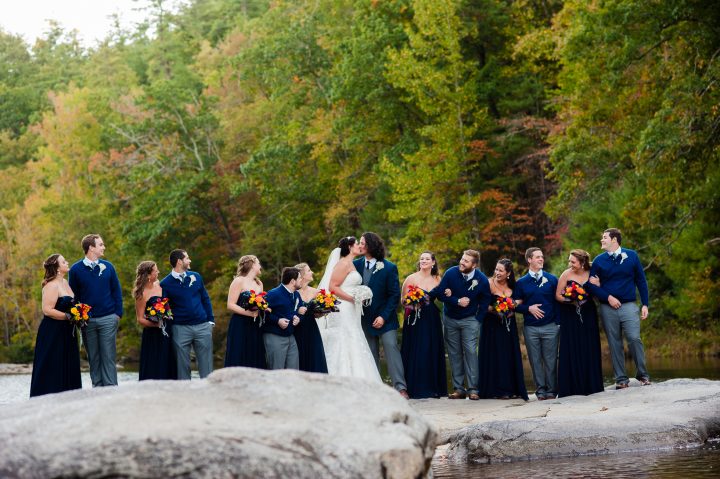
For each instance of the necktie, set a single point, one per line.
(466, 276)
(182, 277)
(367, 264)
(93, 264)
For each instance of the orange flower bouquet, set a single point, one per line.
(252, 301)
(414, 300)
(324, 302)
(159, 312)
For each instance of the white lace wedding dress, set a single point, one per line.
(346, 349)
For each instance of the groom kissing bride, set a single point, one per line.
(352, 336)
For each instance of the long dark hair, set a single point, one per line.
(52, 265)
(435, 271)
(507, 264)
(375, 246)
(345, 244)
(143, 271)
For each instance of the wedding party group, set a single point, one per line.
(340, 326)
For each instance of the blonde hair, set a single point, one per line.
(245, 264)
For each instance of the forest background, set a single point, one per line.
(231, 127)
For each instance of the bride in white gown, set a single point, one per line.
(346, 349)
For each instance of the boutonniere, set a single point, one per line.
(473, 284)
(542, 282)
(623, 257)
(192, 280)
(102, 268)
(378, 266)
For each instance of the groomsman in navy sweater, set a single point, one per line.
(193, 318)
(536, 293)
(95, 282)
(619, 273)
(285, 304)
(465, 290)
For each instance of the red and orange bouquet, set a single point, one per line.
(414, 300)
(159, 312)
(576, 294)
(324, 302)
(504, 306)
(252, 301)
(79, 314)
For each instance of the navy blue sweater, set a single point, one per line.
(189, 299)
(619, 278)
(479, 295)
(99, 288)
(530, 292)
(284, 304)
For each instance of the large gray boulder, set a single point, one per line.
(240, 423)
(673, 414)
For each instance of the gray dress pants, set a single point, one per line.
(199, 336)
(625, 320)
(461, 338)
(542, 349)
(392, 355)
(99, 337)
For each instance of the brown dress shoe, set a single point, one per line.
(456, 395)
(404, 393)
(474, 396)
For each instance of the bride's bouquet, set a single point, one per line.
(414, 300)
(361, 294)
(324, 302)
(252, 301)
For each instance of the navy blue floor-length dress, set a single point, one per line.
(245, 346)
(56, 365)
(423, 352)
(580, 361)
(157, 356)
(310, 345)
(500, 361)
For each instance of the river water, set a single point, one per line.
(695, 463)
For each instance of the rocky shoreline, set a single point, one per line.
(308, 424)
(8, 368)
(679, 413)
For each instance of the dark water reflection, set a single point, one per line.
(696, 463)
(702, 462)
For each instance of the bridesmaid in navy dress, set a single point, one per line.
(56, 366)
(580, 363)
(423, 347)
(307, 334)
(157, 357)
(500, 361)
(245, 346)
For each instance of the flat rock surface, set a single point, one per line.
(239, 423)
(671, 414)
